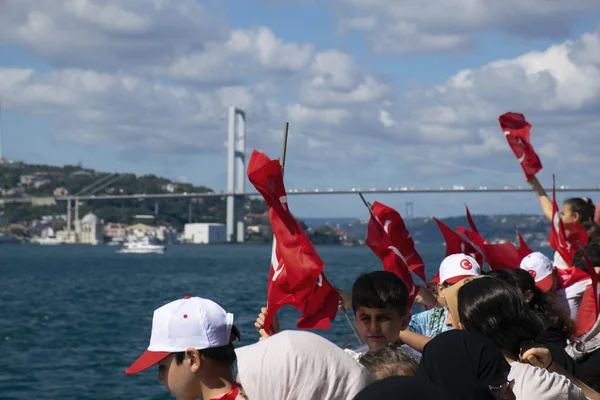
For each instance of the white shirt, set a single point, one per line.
(559, 262)
(570, 297)
(360, 351)
(536, 383)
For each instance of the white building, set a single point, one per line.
(205, 233)
(90, 230)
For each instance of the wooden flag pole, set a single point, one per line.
(352, 326)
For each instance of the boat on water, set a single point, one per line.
(142, 245)
(48, 238)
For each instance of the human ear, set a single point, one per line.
(194, 359)
(405, 320)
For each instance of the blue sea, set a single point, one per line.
(73, 318)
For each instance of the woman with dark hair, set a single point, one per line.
(493, 308)
(573, 210)
(545, 306)
(465, 365)
(556, 326)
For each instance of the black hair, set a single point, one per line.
(594, 234)
(495, 309)
(585, 208)
(593, 252)
(546, 306)
(380, 289)
(223, 354)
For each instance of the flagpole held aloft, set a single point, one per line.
(284, 150)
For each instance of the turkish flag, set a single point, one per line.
(589, 307)
(455, 244)
(296, 272)
(498, 255)
(565, 241)
(394, 227)
(524, 250)
(320, 309)
(516, 129)
(391, 258)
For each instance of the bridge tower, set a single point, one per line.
(236, 174)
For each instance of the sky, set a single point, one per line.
(378, 93)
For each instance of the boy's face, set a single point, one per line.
(450, 295)
(379, 327)
(178, 379)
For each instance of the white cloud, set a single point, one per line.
(149, 96)
(110, 34)
(558, 90)
(403, 26)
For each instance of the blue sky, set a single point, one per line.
(378, 93)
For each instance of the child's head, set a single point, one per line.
(191, 341)
(389, 361)
(380, 304)
(454, 269)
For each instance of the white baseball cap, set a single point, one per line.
(189, 322)
(457, 267)
(540, 268)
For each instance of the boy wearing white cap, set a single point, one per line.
(453, 269)
(191, 342)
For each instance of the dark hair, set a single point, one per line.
(593, 252)
(547, 306)
(223, 354)
(585, 208)
(380, 289)
(388, 361)
(493, 308)
(594, 234)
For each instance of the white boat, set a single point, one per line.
(49, 241)
(48, 238)
(142, 246)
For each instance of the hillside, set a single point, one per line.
(534, 228)
(19, 179)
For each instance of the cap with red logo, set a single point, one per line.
(540, 268)
(457, 267)
(191, 322)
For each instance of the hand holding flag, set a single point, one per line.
(516, 128)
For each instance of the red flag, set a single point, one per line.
(589, 307)
(516, 129)
(572, 279)
(498, 255)
(391, 258)
(565, 241)
(296, 272)
(394, 227)
(470, 220)
(523, 249)
(455, 245)
(321, 307)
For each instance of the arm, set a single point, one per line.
(587, 391)
(541, 358)
(427, 298)
(414, 340)
(542, 196)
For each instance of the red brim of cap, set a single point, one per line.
(456, 279)
(146, 360)
(545, 284)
